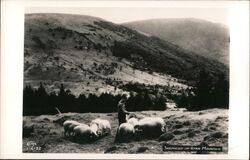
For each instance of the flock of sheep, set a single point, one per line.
(96, 129)
(133, 129)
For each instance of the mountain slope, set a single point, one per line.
(90, 54)
(202, 37)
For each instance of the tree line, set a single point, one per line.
(39, 101)
(205, 94)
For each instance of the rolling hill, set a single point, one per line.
(210, 40)
(89, 54)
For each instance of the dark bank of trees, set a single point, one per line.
(206, 94)
(38, 102)
(153, 54)
(203, 96)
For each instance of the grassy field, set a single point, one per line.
(185, 128)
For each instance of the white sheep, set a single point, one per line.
(85, 132)
(133, 121)
(125, 132)
(94, 127)
(150, 126)
(103, 125)
(69, 126)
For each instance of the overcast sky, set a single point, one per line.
(121, 15)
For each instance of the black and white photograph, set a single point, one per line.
(126, 80)
(96, 86)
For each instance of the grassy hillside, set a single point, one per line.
(207, 39)
(183, 128)
(89, 55)
(74, 48)
(77, 51)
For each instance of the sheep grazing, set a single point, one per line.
(103, 125)
(133, 121)
(85, 132)
(150, 127)
(125, 132)
(94, 128)
(69, 126)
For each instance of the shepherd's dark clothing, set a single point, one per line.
(121, 118)
(121, 115)
(122, 112)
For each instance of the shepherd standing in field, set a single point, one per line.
(122, 110)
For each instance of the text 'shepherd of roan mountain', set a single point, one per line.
(205, 38)
(80, 68)
(90, 51)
